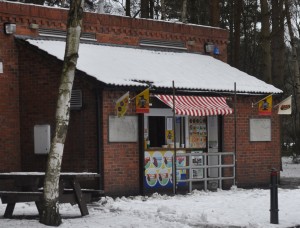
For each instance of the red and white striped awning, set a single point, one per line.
(197, 105)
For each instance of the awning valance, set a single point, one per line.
(197, 105)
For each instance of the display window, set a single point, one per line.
(163, 131)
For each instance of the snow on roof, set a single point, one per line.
(126, 66)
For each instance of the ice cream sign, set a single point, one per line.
(158, 168)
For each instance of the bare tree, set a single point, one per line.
(145, 8)
(127, 8)
(163, 9)
(184, 11)
(277, 43)
(295, 71)
(215, 12)
(265, 42)
(50, 211)
(238, 5)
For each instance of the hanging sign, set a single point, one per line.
(265, 106)
(122, 105)
(142, 102)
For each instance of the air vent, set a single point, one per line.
(76, 100)
(62, 34)
(163, 44)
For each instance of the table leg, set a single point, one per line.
(9, 210)
(39, 207)
(80, 200)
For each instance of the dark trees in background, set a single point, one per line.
(127, 8)
(266, 63)
(277, 43)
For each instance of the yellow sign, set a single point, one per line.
(170, 135)
(265, 106)
(142, 102)
(122, 105)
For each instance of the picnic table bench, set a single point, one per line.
(27, 188)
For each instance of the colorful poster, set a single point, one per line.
(197, 132)
(158, 168)
(170, 136)
(197, 160)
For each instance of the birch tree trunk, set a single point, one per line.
(50, 211)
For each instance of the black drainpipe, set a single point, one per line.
(141, 152)
(99, 113)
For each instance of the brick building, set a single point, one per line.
(30, 75)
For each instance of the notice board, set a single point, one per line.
(260, 129)
(123, 129)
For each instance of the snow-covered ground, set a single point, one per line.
(236, 207)
(290, 169)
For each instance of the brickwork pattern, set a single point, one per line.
(29, 84)
(254, 159)
(9, 105)
(38, 94)
(121, 160)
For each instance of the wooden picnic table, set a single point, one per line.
(28, 188)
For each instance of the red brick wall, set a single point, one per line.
(115, 29)
(9, 105)
(38, 97)
(38, 92)
(254, 159)
(121, 160)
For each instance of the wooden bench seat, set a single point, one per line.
(19, 197)
(27, 188)
(95, 194)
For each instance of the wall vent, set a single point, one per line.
(76, 100)
(44, 32)
(163, 44)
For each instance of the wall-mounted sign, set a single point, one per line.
(1, 68)
(124, 129)
(260, 129)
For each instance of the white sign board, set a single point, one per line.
(260, 129)
(123, 129)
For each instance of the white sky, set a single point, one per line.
(122, 65)
(239, 207)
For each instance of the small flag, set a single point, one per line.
(122, 105)
(142, 102)
(265, 106)
(285, 106)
